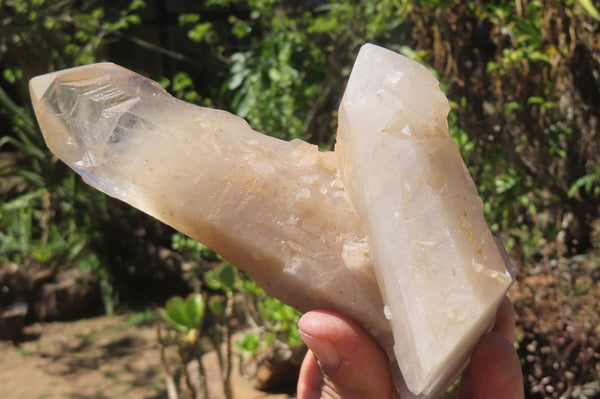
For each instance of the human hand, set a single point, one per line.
(352, 366)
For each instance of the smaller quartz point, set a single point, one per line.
(393, 212)
(441, 274)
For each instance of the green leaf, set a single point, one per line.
(221, 278)
(136, 4)
(227, 277)
(141, 318)
(536, 100)
(195, 309)
(248, 345)
(25, 200)
(170, 322)
(591, 9)
(237, 79)
(185, 19)
(586, 182)
(200, 32)
(240, 28)
(211, 280)
(43, 253)
(30, 176)
(216, 306)
(274, 75)
(12, 75)
(176, 313)
(244, 106)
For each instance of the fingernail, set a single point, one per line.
(324, 351)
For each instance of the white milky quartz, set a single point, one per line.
(437, 264)
(401, 207)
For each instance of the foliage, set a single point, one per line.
(591, 9)
(275, 325)
(283, 79)
(524, 76)
(222, 278)
(194, 249)
(47, 213)
(589, 183)
(188, 317)
(184, 315)
(140, 318)
(74, 33)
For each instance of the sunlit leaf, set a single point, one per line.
(216, 306)
(591, 9)
(227, 277)
(194, 309)
(172, 323)
(175, 312)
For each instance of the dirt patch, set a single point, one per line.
(558, 327)
(96, 358)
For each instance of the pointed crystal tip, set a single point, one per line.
(39, 85)
(87, 117)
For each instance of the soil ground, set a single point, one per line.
(97, 358)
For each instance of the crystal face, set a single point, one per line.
(423, 210)
(393, 204)
(248, 196)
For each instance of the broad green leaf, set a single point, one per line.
(200, 32)
(211, 280)
(175, 309)
(591, 9)
(194, 309)
(216, 306)
(191, 18)
(227, 277)
(248, 344)
(172, 323)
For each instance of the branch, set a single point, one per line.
(186, 373)
(169, 382)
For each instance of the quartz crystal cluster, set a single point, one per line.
(388, 229)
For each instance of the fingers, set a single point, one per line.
(505, 320)
(495, 370)
(350, 364)
(310, 380)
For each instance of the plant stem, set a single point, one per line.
(221, 336)
(201, 370)
(169, 382)
(226, 368)
(186, 373)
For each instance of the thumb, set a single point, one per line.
(343, 362)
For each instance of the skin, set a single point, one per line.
(343, 361)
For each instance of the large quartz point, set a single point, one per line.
(277, 209)
(403, 205)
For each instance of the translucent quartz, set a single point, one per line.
(440, 271)
(281, 211)
(277, 209)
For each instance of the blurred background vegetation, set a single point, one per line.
(523, 78)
